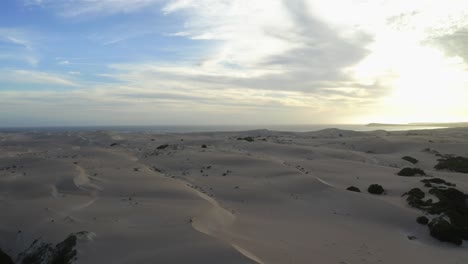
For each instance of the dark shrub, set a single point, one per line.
(422, 220)
(65, 251)
(410, 159)
(416, 193)
(450, 197)
(437, 181)
(4, 258)
(248, 139)
(408, 172)
(353, 189)
(444, 231)
(39, 252)
(415, 198)
(204, 146)
(457, 164)
(163, 146)
(114, 144)
(452, 203)
(375, 189)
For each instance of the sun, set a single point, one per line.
(424, 85)
(429, 87)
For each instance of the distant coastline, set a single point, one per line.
(441, 125)
(169, 129)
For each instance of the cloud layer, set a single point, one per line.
(277, 61)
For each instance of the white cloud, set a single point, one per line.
(15, 36)
(94, 7)
(74, 72)
(21, 47)
(29, 59)
(23, 76)
(364, 55)
(63, 62)
(249, 29)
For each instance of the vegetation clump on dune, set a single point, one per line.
(422, 220)
(65, 251)
(408, 172)
(4, 258)
(248, 139)
(445, 231)
(410, 159)
(451, 163)
(376, 189)
(452, 203)
(353, 189)
(415, 198)
(438, 181)
(451, 225)
(163, 146)
(45, 253)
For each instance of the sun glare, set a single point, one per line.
(424, 84)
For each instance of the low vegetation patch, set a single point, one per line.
(65, 251)
(248, 139)
(4, 258)
(415, 199)
(163, 146)
(375, 189)
(410, 159)
(45, 253)
(438, 181)
(422, 220)
(409, 172)
(451, 223)
(451, 163)
(353, 189)
(445, 231)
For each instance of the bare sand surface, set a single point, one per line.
(242, 197)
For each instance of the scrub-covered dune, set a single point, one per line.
(232, 197)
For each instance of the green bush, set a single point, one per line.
(39, 252)
(65, 252)
(437, 181)
(353, 189)
(410, 159)
(444, 231)
(163, 146)
(422, 220)
(4, 258)
(457, 164)
(248, 139)
(408, 172)
(415, 198)
(375, 189)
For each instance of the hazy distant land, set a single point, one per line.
(261, 196)
(442, 125)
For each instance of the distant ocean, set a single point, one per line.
(194, 129)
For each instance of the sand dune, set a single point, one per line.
(233, 197)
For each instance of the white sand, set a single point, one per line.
(280, 201)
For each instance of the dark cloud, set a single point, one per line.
(454, 44)
(323, 53)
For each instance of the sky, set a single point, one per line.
(232, 62)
